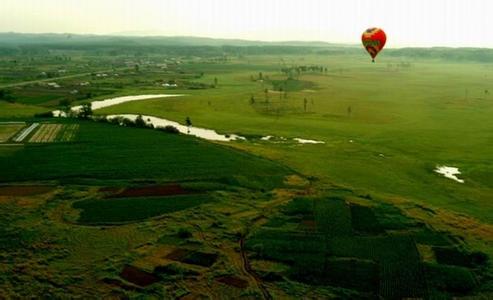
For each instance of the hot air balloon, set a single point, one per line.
(374, 40)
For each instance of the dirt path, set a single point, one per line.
(248, 269)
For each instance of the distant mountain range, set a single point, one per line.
(26, 43)
(147, 38)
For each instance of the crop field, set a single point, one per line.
(68, 133)
(139, 153)
(49, 133)
(121, 210)
(374, 261)
(46, 133)
(7, 131)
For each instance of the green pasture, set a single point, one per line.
(385, 126)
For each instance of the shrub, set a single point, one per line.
(169, 129)
(184, 233)
(47, 114)
(139, 122)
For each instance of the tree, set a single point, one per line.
(215, 81)
(85, 111)
(252, 100)
(260, 76)
(7, 96)
(64, 102)
(65, 105)
(137, 68)
(140, 122)
(188, 121)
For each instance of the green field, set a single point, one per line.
(92, 209)
(379, 264)
(104, 151)
(413, 116)
(114, 211)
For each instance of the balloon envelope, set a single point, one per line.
(374, 40)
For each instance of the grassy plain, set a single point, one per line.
(404, 121)
(362, 215)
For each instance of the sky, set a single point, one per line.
(408, 23)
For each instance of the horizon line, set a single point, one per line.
(129, 35)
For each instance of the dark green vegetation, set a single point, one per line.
(124, 212)
(121, 210)
(110, 152)
(324, 244)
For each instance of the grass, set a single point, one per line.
(385, 129)
(404, 115)
(112, 211)
(17, 110)
(104, 151)
(364, 220)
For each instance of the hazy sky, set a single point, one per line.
(407, 22)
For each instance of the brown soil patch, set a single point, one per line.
(137, 276)
(149, 191)
(25, 190)
(233, 281)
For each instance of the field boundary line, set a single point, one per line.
(25, 132)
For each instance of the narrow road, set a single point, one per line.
(55, 78)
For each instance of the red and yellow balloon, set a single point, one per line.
(374, 40)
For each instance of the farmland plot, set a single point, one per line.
(7, 131)
(47, 133)
(68, 133)
(25, 132)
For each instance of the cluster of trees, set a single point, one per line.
(139, 122)
(6, 95)
(292, 72)
(259, 77)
